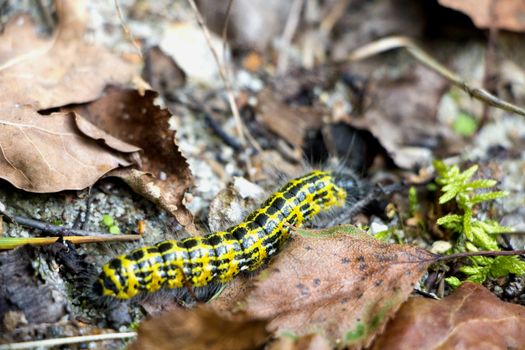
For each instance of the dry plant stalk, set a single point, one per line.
(241, 129)
(399, 42)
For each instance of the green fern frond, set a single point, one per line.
(503, 265)
(473, 234)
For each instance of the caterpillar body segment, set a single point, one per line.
(220, 256)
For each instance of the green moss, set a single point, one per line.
(413, 205)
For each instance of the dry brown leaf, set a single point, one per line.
(161, 71)
(508, 14)
(64, 69)
(48, 153)
(200, 328)
(340, 283)
(402, 116)
(307, 342)
(470, 318)
(289, 122)
(164, 176)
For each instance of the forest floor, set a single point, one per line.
(125, 125)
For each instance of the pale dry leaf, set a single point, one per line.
(188, 47)
(470, 318)
(133, 117)
(508, 14)
(199, 328)
(51, 72)
(340, 283)
(48, 153)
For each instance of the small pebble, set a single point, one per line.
(377, 227)
(247, 189)
(513, 289)
(498, 291)
(440, 247)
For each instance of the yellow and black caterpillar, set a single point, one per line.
(220, 256)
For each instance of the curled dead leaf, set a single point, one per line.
(470, 318)
(200, 328)
(136, 119)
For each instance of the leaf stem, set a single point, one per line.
(68, 340)
(480, 253)
(398, 42)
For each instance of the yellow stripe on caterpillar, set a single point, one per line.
(220, 256)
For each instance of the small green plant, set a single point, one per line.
(110, 223)
(57, 222)
(473, 234)
(413, 205)
(465, 124)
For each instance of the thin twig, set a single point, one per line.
(397, 42)
(222, 72)
(289, 31)
(480, 253)
(49, 228)
(225, 35)
(219, 131)
(490, 65)
(241, 130)
(333, 16)
(228, 73)
(128, 32)
(53, 229)
(201, 107)
(14, 242)
(67, 340)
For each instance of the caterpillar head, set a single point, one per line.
(355, 187)
(346, 180)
